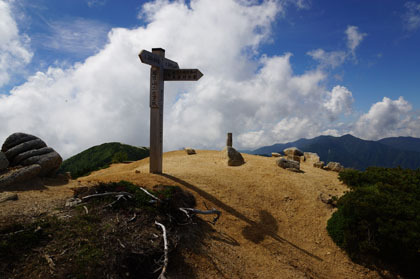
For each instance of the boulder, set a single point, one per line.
(319, 164)
(334, 166)
(275, 154)
(4, 163)
(23, 147)
(190, 151)
(15, 139)
(25, 150)
(19, 175)
(311, 156)
(292, 151)
(288, 164)
(233, 157)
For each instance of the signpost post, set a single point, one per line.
(162, 69)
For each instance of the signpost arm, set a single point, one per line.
(156, 114)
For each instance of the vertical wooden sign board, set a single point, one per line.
(162, 69)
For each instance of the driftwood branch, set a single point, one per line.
(150, 194)
(165, 250)
(194, 211)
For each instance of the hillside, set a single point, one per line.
(273, 224)
(101, 156)
(356, 153)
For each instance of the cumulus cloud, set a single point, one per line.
(412, 16)
(333, 59)
(106, 98)
(15, 52)
(340, 100)
(354, 38)
(387, 118)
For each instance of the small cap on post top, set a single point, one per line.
(158, 49)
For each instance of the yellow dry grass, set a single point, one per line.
(273, 224)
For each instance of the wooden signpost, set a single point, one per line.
(162, 69)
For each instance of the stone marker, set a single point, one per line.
(234, 158)
(162, 69)
(229, 140)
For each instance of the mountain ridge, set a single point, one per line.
(355, 152)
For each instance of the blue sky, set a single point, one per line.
(274, 71)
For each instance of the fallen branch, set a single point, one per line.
(116, 194)
(150, 194)
(165, 250)
(205, 212)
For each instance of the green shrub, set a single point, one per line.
(378, 219)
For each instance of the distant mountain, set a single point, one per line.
(353, 152)
(403, 143)
(101, 156)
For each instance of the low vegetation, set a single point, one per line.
(101, 156)
(99, 238)
(378, 222)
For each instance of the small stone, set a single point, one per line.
(288, 164)
(334, 166)
(137, 171)
(275, 154)
(7, 196)
(190, 151)
(319, 164)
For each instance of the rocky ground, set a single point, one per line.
(273, 223)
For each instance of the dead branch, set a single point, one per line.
(86, 209)
(116, 194)
(132, 218)
(150, 194)
(165, 249)
(205, 212)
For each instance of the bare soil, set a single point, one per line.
(273, 224)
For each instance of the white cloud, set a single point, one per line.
(106, 97)
(78, 36)
(354, 38)
(14, 47)
(331, 59)
(340, 101)
(387, 118)
(412, 16)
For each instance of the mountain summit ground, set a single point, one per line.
(273, 224)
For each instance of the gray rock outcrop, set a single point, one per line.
(20, 175)
(311, 156)
(334, 166)
(30, 157)
(4, 163)
(319, 164)
(293, 153)
(233, 157)
(288, 164)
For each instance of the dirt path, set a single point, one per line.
(272, 226)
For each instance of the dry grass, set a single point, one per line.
(273, 224)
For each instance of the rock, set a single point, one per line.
(292, 151)
(319, 164)
(275, 154)
(328, 199)
(233, 157)
(302, 159)
(4, 163)
(7, 196)
(288, 164)
(334, 166)
(311, 156)
(49, 163)
(19, 175)
(22, 156)
(25, 150)
(190, 151)
(23, 147)
(15, 139)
